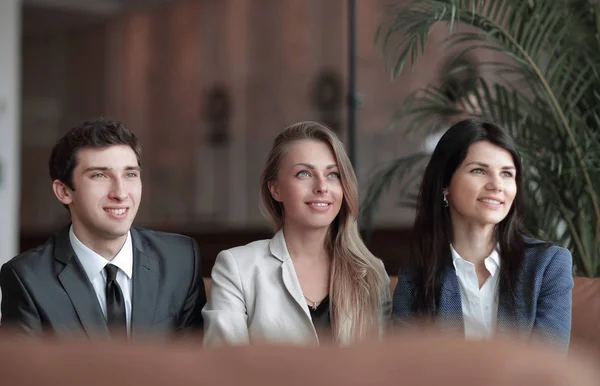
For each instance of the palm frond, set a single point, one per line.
(552, 48)
(399, 170)
(553, 118)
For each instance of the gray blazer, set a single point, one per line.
(47, 290)
(255, 297)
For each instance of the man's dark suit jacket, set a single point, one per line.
(46, 290)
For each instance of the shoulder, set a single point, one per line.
(246, 262)
(543, 251)
(380, 270)
(174, 250)
(36, 257)
(379, 266)
(247, 255)
(407, 274)
(539, 255)
(160, 240)
(151, 236)
(407, 282)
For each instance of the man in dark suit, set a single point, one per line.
(100, 277)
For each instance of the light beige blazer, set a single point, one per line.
(256, 297)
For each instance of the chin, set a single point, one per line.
(491, 221)
(319, 225)
(116, 233)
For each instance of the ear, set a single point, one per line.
(62, 192)
(274, 189)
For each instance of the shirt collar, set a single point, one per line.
(492, 262)
(93, 263)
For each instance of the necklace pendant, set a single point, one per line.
(312, 304)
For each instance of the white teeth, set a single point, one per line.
(116, 211)
(489, 201)
(319, 204)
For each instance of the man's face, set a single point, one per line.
(106, 195)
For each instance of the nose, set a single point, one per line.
(117, 191)
(321, 186)
(494, 184)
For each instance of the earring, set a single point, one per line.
(445, 199)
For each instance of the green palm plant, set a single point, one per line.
(545, 92)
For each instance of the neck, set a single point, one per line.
(107, 248)
(473, 243)
(305, 244)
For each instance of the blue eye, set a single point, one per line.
(97, 176)
(477, 171)
(507, 174)
(334, 175)
(132, 175)
(302, 173)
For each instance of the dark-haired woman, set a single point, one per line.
(472, 268)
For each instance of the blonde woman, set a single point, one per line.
(315, 280)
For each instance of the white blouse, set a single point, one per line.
(479, 305)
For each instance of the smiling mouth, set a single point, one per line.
(117, 212)
(319, 205)
(490, 201)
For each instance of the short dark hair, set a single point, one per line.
(95, 133)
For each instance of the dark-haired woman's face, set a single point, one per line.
(483, 187)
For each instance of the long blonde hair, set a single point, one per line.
(357, 277)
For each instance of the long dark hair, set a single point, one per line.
(432, 231)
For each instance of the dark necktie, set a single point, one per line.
(115, 304)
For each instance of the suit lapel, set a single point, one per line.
(290, 280)
(450, 309)
(79, 289)
(145, 282)
(288, 273)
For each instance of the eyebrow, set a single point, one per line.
(106, 169)
(313, 167)
(484, 165)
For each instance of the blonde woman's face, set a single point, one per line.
(308, 185)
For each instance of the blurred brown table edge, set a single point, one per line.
(401, 360)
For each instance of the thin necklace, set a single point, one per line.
(314, 304)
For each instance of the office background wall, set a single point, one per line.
(207, 85)
(10, 31)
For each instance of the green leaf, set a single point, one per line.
(545, 90)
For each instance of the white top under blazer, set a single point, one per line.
(479, 305)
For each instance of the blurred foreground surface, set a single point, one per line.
(402, 359)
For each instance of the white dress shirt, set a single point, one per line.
(94, 264)
(479, 305)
